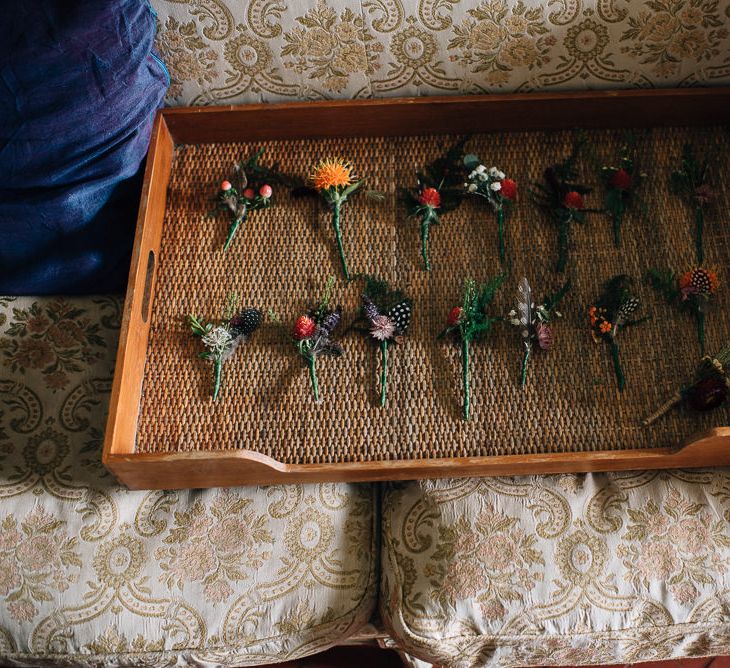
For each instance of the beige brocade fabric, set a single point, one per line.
(237, 51)
(94, 574)
(558, 570)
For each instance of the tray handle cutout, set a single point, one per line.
(147, 293)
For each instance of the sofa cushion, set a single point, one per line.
(558, 570)
(94, 574)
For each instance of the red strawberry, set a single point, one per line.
(509, 189)
(621, 179)
(303, 328)
(454, 316)
(430, 197)
(573, 200)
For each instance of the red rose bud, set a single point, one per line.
(249, 193)
(454, 316)
(265, 191)
(430, 197)
(226, 185)
(573, 200)
(303, 328)
(621, 179)
(508, 189)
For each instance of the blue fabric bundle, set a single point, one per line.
(79, 87)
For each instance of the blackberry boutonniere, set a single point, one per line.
(470, 322)
(333, 179)
(248, 190)
(221, 340)
(496, 188)
(562, 199)
(612, 311)
(312, 334)
(534, 321)
(388, 315)
(438, 191)
(690, 182)
(709, 387)
(692, 291)
(621, 183)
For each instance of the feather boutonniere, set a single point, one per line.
(612, 311)
(691, 182)
(534, 321)
(470, 322)
(388, 315)
(222, 339)
(493, 185)
(438, 191)
(709, 387)
(692, 291)
(561, 197)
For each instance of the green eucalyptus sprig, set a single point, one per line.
(471, 322)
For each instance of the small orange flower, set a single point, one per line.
(605, 327)
(331, 173)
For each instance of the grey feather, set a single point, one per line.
(524, 308)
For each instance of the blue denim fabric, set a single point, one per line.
(79, 87)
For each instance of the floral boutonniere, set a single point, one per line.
(499, 191)
(612, 311)
(312, 334)
(692, 291)
(562, 199)
(333, 179)
(470, 322)
(621, 183)
(438, 191)
(388, 315)
(222, 339)
(709, 387)
(534, 321)
(690, 182)
(247, 190)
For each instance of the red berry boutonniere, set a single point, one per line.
(613, 311)
(388, 315)
(621, 183)
(562, 199)
(222, 339)
(493, 185)
(437, 192)
(470, 322)
(692, 291)
(708, 390)
(312, 334)
(534, 321)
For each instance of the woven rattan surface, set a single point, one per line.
(282, 257)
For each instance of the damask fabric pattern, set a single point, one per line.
(240, 51)
(95, 575)
(558, 570)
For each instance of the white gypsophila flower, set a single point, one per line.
(472, 174)
(481, 169)
(496, 186)
(217, 340)
(493, 171)
(466, 185)
(512, 313)
(515, 321)
(483, 177)
(472, 187)
(501, 175)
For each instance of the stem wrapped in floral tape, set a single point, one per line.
(692, 292)
(621, 183)
(691, 182)
(562, 199)
(333, 179)
(470, 322)
(249, 189)
(534, 321)
(222, 339)
(708, 389)
(312, 334)
(387, 313)
(612, 311)
(499, 191)
(438, 191)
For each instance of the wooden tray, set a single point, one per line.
(164, 431)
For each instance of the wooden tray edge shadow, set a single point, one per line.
(409, 116)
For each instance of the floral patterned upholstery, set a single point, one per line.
(94, 574)
(558, 570)
(236, 51)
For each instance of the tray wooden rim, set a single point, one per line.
(365, 118)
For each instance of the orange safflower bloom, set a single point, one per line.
(605, 327)
(331, 173)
